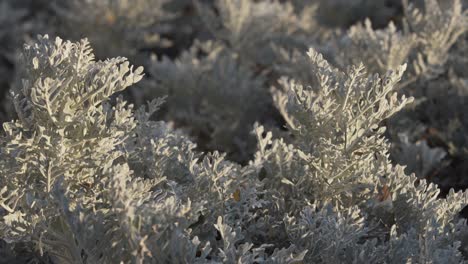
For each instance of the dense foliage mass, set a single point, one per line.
(254, 131)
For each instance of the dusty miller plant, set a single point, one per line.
(423, 42)
(341, 198)
(429, 38)
(87, 179)
(69, 152)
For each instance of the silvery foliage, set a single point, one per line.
(435, 31)
(441, 107)
(85, 180)
(438, 119)
(214, 96)
(437, 27)
(341, 199)
(115, 27)
(431, 36)
(18, 21)
(394, 46)
(334, 122)
(68, 186)
(424, 41)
